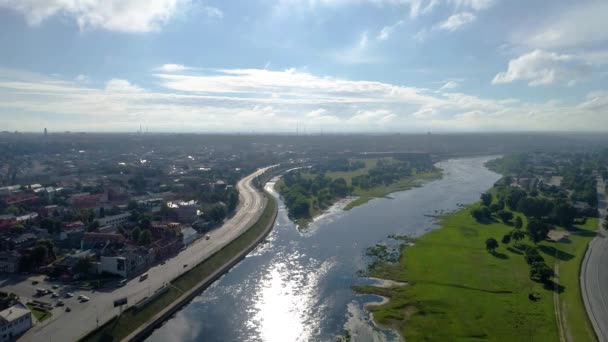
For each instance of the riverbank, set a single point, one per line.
(133, 325)
(360, 196)
(457, 290)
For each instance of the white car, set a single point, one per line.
(69, 295)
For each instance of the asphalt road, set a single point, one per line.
(84, 317)
(594, 274)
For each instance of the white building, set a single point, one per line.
(14, 321)
(114, 220)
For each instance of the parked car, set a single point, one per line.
(84, 299)
(60, 303)
(207, 237)
(67, 309)
(55, 287)
(54, 295)
(69, 295)
(35, 282)
(143, 277)
(185, 265)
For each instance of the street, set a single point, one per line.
(84, 317)
(594, 274)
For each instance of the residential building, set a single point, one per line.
(114, 220)
(14, 321)
(9, 262)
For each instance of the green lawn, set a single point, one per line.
(40, 315)
(460, 292)
(577, 324)
(118, 329)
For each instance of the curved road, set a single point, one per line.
(86, 316)
(594, 273)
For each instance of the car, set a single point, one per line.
(207, 237)
(84, 299)
(80, 296)
(143, 277)
(54, 295)
(67, 309)
(69, 295)
(35, 282)
(163, 262)
(185, 265)
(123, 282)
(55, 287)
(59, 303)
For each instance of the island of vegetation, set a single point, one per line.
(505, 268)
(307, 192)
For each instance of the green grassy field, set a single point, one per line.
(460, 292)
(39, 314)
(118, 329)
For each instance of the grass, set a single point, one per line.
(460, 292)
(121, 327)
(41, 315)
(575, 318)
(405, 183)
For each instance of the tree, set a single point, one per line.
(145, 238)
(518, 222)
(517, 235)
(135, 234)
(537, 230)
(481, 214)
(539, 271)
(39, 254)
(505, 216)
(486, 199)
(93, 226)
(506, 239)
(564, 214)
(339, 187)
(83, 265)
(17, 229)
(513, 198)
(491, 245)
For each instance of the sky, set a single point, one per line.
(304, 65)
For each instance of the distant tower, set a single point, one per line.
(45, 132)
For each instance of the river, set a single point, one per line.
(297, 285)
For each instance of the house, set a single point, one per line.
(9, 262)
(14, 321)
(7, 221)
(27, 217)
(114, 220)
(127, 263)
(99, 240)
(21, 198)
(87, 200)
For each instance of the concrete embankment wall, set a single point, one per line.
(141, 333)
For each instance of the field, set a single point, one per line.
(459, 291)
(39, 314)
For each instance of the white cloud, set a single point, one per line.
(363, 40)
(451, 84)
(476, 5)
(543, 68)
(112, 15)
(121, 86)
(172, 68)
(82, 78)
(456, 21)
(213, 12)
(243, 100)
(387, 31)
(583, 24)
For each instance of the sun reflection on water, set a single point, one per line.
(286, 306)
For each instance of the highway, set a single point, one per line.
(594, 274)
(85, 317)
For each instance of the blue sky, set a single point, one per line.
(272, 65)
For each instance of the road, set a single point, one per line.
(85, 317)
(594, 274)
